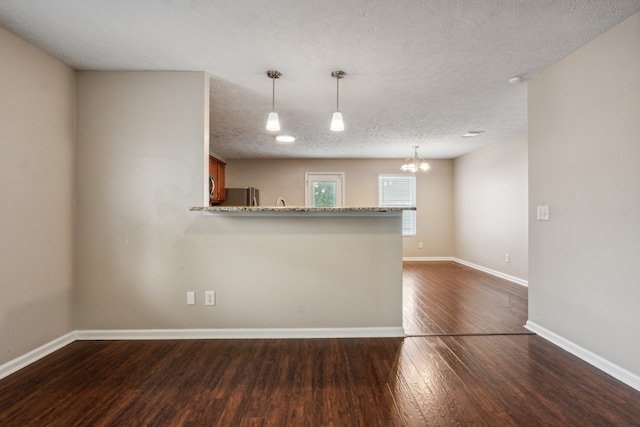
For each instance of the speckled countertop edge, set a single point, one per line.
(239, 209)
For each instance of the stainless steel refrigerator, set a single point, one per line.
(247, 196)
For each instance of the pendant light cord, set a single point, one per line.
(273, 94)
(273, 75)
(338, 74)
(338, 94)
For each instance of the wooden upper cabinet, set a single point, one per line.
(216, 180)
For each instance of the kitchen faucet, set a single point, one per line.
(280, 199)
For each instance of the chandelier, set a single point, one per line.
(415, 164)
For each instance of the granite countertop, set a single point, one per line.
(299, 210)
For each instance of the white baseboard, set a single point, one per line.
(26, 359)
(612, 369)
(258, 333)
(496, 273)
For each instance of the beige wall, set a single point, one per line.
(491, 200)
(296, 272)
(36, 184)
(141, 166)
(285, 178)
(584, 153)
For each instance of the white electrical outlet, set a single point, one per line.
(210, 298)
(420, 245)
(507, 258)
(191, 298)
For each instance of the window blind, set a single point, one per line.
(399, 191)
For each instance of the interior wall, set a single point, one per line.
(141, 167)
(285, 178)
(491, 207)
(583, 163)
(36, 182)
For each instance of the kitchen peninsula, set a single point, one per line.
(310, 272)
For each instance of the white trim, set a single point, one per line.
(496, 273)
(258, 333)
(599, 362)
(493, 272)
(44, 350)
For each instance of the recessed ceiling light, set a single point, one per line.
(285, 139)
(515, 80)
(472, 133)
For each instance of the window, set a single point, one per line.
(399, 190)
(324, 189)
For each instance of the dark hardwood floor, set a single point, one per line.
(445, 378)
(447, 298)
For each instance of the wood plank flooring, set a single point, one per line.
(443, 379)
(447, 298)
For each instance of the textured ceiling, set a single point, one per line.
(419, 72)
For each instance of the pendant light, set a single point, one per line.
(273, 124)
(337, 124)
(415, 164)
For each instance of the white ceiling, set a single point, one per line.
(418, 72)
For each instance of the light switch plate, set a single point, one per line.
(543, 213)
(191, 298)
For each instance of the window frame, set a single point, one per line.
(338, 178)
